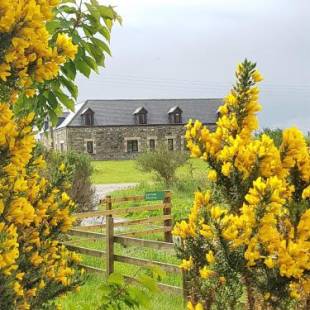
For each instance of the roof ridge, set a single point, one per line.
(154, 99)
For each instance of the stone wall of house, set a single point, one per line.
(60, 139)
(111, 142)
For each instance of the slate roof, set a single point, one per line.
(120, 112)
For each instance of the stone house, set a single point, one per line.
(120, 129)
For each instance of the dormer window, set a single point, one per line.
(175, 115)
(140, 115)
(88, 117)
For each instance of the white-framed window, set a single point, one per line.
(132, 146)
(151, 143)
(89, 146)
(171, 142)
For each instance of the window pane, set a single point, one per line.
(177, 118)
(132, 146)
(170, 144)
(90, 147)
(142, 118)
(88, 119)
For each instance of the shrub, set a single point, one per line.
(78, 174)
(162, 162)
(249, 233)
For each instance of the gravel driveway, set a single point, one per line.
(101, 190)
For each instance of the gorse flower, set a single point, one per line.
(34, 266)
(258, 230)
(32, 215)
(29, 56)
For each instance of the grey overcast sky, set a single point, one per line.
(190, 48)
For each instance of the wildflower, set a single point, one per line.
(212, 175)
(187, 264)
(206, 273)
(210, 257)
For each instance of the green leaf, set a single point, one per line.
(67, 9)
(109, 23)
(52, 25)
(104, 32)
(83, 67)
(103, 46)
(93, 11)
(65, 100)
(72, 88)
(69, 70)
(96, 53)
(106, 12)
(53, 117)
(116, 278)
(91, 63)
(89, 31)
(52, 100)
(147, 282)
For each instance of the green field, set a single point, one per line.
(126, 171)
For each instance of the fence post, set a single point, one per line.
(167, 211)
(184, 289)
(109, 239)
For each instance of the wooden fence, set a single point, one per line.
(128, 239)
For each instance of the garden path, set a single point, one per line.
(101, 190)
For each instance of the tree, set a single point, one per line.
(254, 238)
(40, 53)
(162, 162)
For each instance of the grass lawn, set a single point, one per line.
(125, 171)
(89, 298)
(118, 171)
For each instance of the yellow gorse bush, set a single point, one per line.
(34, 265)
(251, 229)
(27, 56)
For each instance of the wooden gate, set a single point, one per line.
(127, 239)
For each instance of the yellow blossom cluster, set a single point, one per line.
(32, 215)
(263, 220)
(27, 53)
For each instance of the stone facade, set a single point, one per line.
(111, 142)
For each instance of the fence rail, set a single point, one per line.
(128, 239)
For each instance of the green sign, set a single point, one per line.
(154, 195)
